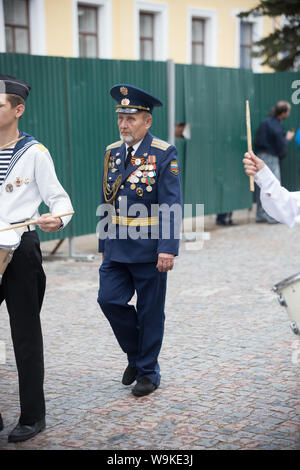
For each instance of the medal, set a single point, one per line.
(137, 161)
(18, 181)
(9, 188)
(151, 174)
(144, 180)
(139, 192)
(132, 186)
(149, 189)
(152, 180)
(138, 173)
(118, 161)
(26, 180)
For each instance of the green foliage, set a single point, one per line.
(281, 49)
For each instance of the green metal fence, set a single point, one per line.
(212, 102)
(71, 112)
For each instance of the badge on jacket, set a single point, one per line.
(174, 168)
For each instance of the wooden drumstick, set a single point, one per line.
(249, 139)
(11, 143)
(32, 222)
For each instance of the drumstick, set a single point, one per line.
(11, 143)
(32, 222)
(249, 139)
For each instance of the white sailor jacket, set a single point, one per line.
(31, 179)
(277, 201)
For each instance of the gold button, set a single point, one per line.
(119, 198)
(122, 186)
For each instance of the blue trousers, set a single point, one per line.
(139, 329)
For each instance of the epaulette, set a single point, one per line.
(160, 144)
(41, 147)
(114, 145)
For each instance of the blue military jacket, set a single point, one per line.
(164, 180)
(270, 138)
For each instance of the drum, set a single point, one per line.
(288, 292)
(9, 242)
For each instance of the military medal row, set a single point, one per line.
(144, 177)
(144, 173)
(18, 182)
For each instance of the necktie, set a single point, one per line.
(129, 155)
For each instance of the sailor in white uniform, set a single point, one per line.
(278, 202)
(27, 177)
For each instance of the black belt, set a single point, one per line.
(22, 222)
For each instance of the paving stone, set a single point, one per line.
(228, 381)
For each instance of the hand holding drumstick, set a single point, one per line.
(252, 163)
(48, 223)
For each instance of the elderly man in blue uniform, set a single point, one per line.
(141, 173)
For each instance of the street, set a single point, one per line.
(229, 375)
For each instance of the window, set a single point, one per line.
(151, 30)
(146, 36)
(202, 36)
(246, 44)
(16, 19)
(88, 31)
(198, 41)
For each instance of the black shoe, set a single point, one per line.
(22, 432)
(220, 222)
(129, 375)
(1, 423)
(143, 387)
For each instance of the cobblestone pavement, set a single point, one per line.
(228, 380)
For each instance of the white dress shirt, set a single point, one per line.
(35, 170)
(135, 147)
(277, 201)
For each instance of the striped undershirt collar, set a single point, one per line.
(5, 159)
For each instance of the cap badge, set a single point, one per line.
(124, 90)
(125, 102)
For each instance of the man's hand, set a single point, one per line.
(48, 223)
(165, 262)
(252, 164)
(290, 135)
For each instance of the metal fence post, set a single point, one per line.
(171, 101)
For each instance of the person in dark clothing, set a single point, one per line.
(270, 145)
(225, 219)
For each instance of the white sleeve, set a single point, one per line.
(277, 201)
(51, 191)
